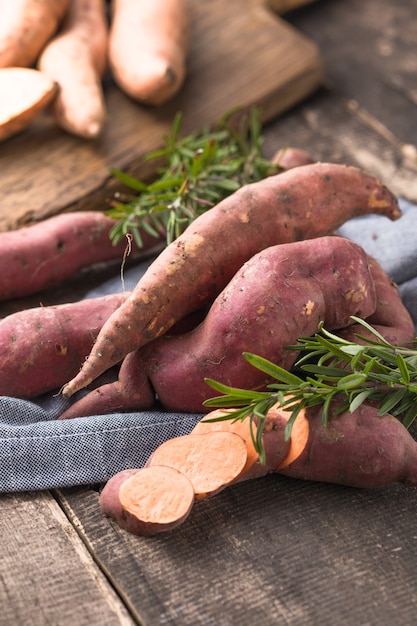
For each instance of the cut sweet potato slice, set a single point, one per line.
(211, 460)
(24, 93)
(154, 500)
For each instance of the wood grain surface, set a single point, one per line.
(242, 54)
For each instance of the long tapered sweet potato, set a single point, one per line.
(76, 59)
(42, 347)
(44, 254)
(148, 48)
(280, 294)
(25, 28)
(303, 203)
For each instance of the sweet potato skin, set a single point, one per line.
(44, 254)
(303, 283)
(356, 449)
(25, 27)
(148, 47)
(303, 203)
(76, 59)
(41, 347)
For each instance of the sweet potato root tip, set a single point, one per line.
(153, 500)
(211, 460)
(148, 48)
(290, 157)
(358, 449)
(302, 203)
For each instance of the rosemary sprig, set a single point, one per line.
(329, 367)
(197, 172)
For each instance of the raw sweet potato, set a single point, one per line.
(290, 157)
(76, 59)
(25, 27)
(24, 93)
(42, 347)
(224, 451)
(391, 318)
(302, 203)
(303, 283)
(149, 500)
(44, 254)
(148, 48)
(357, 449)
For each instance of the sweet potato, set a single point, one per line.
(224, 451)
(149, 500)
(391, 318)
(148, 48)
(24, 93)
(43, 346)
(44, 254)
(357, 449)
(303, 283)
(277, 450)
(303, 203)
(76, 59)
(290, 157)
(25, 27)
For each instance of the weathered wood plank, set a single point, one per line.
(46, 574)
(370, 56)
(270, 551)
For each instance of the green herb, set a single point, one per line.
(329, 367)
(197, 172)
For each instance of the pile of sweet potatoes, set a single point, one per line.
(70, 44)
(253, 274)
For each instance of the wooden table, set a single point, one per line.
(271, 551)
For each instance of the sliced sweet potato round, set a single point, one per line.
(24, 93)
(154, 500)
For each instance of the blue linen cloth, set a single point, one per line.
(37, 451)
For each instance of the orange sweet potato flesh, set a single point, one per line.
(45, 254)
(223, 452)
(151, 500)
(303, 283)
(302, 203)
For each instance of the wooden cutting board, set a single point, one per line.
(242, 54)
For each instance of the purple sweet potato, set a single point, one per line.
(42, 347)
(46, 253)
(302, 284)
(358, 449)
(302, 203)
